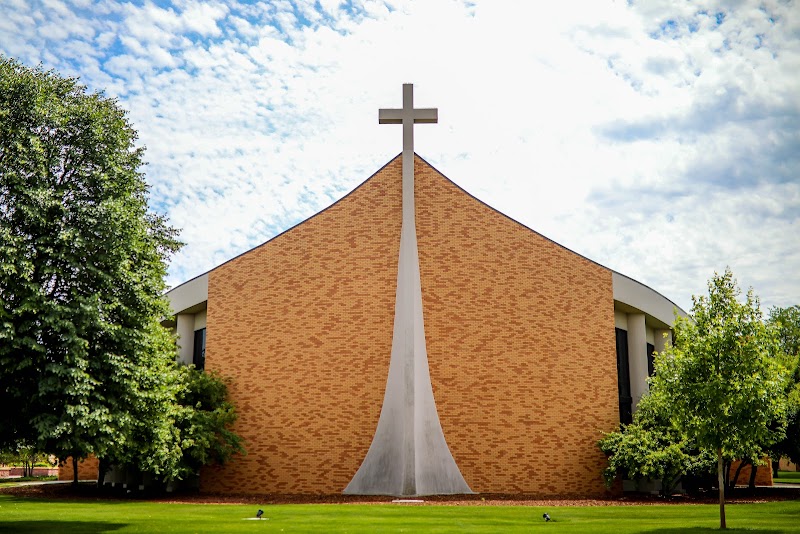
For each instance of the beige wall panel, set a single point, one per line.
(621, 320)
(200, 320)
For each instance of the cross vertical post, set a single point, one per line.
(408, 116)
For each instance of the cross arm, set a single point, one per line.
(421, 115)
(426, 115)
(390, 116)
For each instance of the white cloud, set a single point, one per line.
(202, 17)
(660, 139)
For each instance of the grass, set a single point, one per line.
(51, 516)
(788, 477)
(7, 481)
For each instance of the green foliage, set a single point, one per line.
(152, 444)
(24, 454)
(83, 358)
(82, 266)
(204, 421)
(652, 447)
(720, 391)
(786, 325)
(190, 428)
(724, 386)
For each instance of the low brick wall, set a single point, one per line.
(87, 469)
(763, 475)
(6, 472)
(786, 465)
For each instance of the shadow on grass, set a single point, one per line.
(53, 527)
(10, 498)
(681, 530)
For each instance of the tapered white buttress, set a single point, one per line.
(408, 455)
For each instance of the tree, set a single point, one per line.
(725, 389)
(153, 441)
(25, 454)
(786, 323)
(652, 447)
(204, 421)
(189, 428)
(82, 268)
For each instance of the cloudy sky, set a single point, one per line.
(661, 139)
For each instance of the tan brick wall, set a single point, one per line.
(303, 326)
(521, 346)
(787, 465)
(763, 474)
(520, 339)
(87, 469)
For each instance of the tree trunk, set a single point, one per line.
(75, 471)
(775, 467)
(721, 484)
(752, 483)
(102, 469)
(726, 472)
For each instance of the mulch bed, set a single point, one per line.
(90, 492)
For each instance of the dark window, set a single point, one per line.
(624, 378)
(199, 353)
(650, 359)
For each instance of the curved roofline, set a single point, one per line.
(551, 240)
(205, 274)
(276, 236)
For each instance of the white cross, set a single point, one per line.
(407, 116)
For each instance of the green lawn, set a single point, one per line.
(61, 516)
(788, 477)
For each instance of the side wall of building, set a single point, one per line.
(520, 337)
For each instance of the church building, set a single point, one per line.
(411, 340)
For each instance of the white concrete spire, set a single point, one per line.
(408, 455)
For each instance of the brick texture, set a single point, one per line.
(763, 474)
(520, 337)
(87, 469)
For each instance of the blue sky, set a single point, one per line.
(661, 139)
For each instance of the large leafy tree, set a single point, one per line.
(724, 386)
(786, 324)
(190, 429)
(82, 266)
